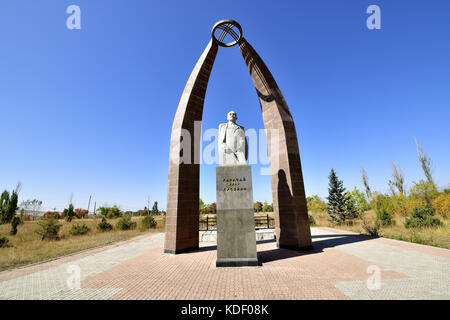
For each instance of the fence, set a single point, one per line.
(210, 223)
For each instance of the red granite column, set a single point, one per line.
(182, 217)
(288, 191)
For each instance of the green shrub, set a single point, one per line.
(423, 212)
(422, 217)
(125, 223)
(312, 221)
(79, 229)
(48, 229)
(104, 225)
(418, 223)
(149, 222)
(3, 242)
(384, 218)
(15, 222)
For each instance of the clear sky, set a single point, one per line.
(90, 111)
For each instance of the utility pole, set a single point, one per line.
(148, 205)
(95, 205)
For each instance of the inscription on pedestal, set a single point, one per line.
(236, 238)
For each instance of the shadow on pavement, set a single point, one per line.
(329, 241)
(214, 247)
(326, 241)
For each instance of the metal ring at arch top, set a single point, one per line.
(227, 28)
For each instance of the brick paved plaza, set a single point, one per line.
(336, 269)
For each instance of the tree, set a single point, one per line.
(426, 163)
(365, 181)
(8, 205)
(265, 207)
(442, 204)
(155, 208)
(103, 210)
(359, 200)
(15, 221)
(213, 208)
(113, 212)
(352, 208)
(337, 200)
(34, 205)
(144, 212)
(81, 213)
(110, 212)
(315, 204)
(69, 213)
(201, 205)
(207, 209)
(48, 229)
(398, 180)
(51, 214)
(424, 190)
(257, 206)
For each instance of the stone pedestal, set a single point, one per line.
(236, 239)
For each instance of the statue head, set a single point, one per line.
(232, 116)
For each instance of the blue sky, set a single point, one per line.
(90, 111)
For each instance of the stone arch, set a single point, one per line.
(289, 200)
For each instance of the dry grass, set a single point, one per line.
(439, 237)
(26, 247)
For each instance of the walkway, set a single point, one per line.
(343, 265)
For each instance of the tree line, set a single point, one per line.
(419, 204)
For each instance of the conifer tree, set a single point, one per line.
(155, 209)
(69, 213)
(337, 199)
(8, 205)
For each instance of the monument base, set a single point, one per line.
(295, 248)
(169, 251)
(236, 237)
(237, 262)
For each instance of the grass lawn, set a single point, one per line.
(26, 247)
(439, 237)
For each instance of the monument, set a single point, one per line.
(236, 238)
(233, 147)
(288, 193)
